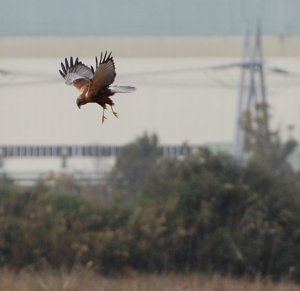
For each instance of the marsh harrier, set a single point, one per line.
(95, 85)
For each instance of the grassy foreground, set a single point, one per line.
(88, 281)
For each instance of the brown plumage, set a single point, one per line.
(95, 85)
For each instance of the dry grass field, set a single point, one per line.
(88, 281)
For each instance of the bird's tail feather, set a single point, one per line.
(122, 89)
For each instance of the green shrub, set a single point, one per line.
(199, 213)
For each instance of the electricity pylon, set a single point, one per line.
(252, 98)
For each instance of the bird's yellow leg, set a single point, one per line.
(103, 116)
(114, 112)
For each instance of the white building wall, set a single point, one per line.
(197, 46)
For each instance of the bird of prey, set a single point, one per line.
(95, 84)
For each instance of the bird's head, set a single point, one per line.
(79, 102)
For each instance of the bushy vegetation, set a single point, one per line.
(202, 213)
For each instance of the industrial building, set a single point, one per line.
(167, 49)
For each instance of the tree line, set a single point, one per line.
(200, 213)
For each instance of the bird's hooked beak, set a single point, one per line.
(78, 105)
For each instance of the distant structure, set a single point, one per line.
(201, 28)
(252, 96)
(252, 92)
(65, 156)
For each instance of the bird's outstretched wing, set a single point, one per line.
(105, 73)
(76, 73)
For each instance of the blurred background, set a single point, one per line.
(185, 58)
(200, 172)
